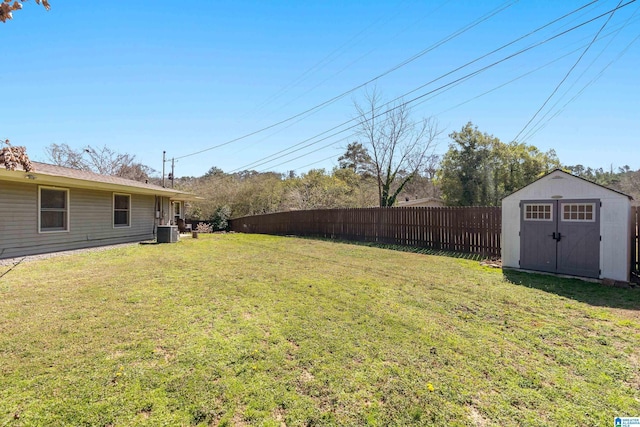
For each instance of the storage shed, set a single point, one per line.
(567, 225)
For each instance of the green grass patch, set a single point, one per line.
(258, 330)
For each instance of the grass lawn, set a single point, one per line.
(258, 330)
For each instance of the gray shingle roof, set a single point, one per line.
(62, 171)
(45, 172)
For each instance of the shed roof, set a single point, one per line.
(560, 171)
(46, 174)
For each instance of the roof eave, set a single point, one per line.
(61, 181)
(571, 175)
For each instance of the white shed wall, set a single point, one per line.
(615, 219)
(615, 248)
(510, 243)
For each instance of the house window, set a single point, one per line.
(538, 212)
(54, 209)
(121, 210)
(176, 209)
(578, 212)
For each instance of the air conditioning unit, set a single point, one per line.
(168, 234)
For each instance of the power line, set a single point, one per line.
(305, 166)
(342, 95)
(326, 60)
(541, 123)
(525, 74)
(406, 62)
(517, 40)
(450, 37)
(540, 126)
(273, 157)
(283, 153)
(358, 59)
(413, 58)
(570, 70)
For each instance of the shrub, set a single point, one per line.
(219, 219)
(203, 227)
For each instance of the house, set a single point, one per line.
(53, 208)
(430, 202)
(567, 225)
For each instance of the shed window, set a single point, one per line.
(54, 209)
(121, 210)
(578, 212)
(538, 212)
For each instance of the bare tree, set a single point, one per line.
(63, 155)
(400, 146)
(7, 7)
(104, 161)
(137, 172)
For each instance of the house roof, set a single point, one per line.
(560, 171)
(46, 174)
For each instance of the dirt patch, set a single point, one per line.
(493, 263)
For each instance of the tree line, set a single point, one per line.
(477, 170)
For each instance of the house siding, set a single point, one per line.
(90, 221)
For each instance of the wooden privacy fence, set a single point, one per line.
(473, 230)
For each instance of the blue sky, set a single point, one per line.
(143, 77)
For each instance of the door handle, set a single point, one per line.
(559, 236)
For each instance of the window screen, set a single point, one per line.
(54, 210)
(121, 210)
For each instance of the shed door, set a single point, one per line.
(538, 247)
(561, 236)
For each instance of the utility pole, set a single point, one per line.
(173, 176)
(164, 155)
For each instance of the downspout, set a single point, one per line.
(156, 218)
